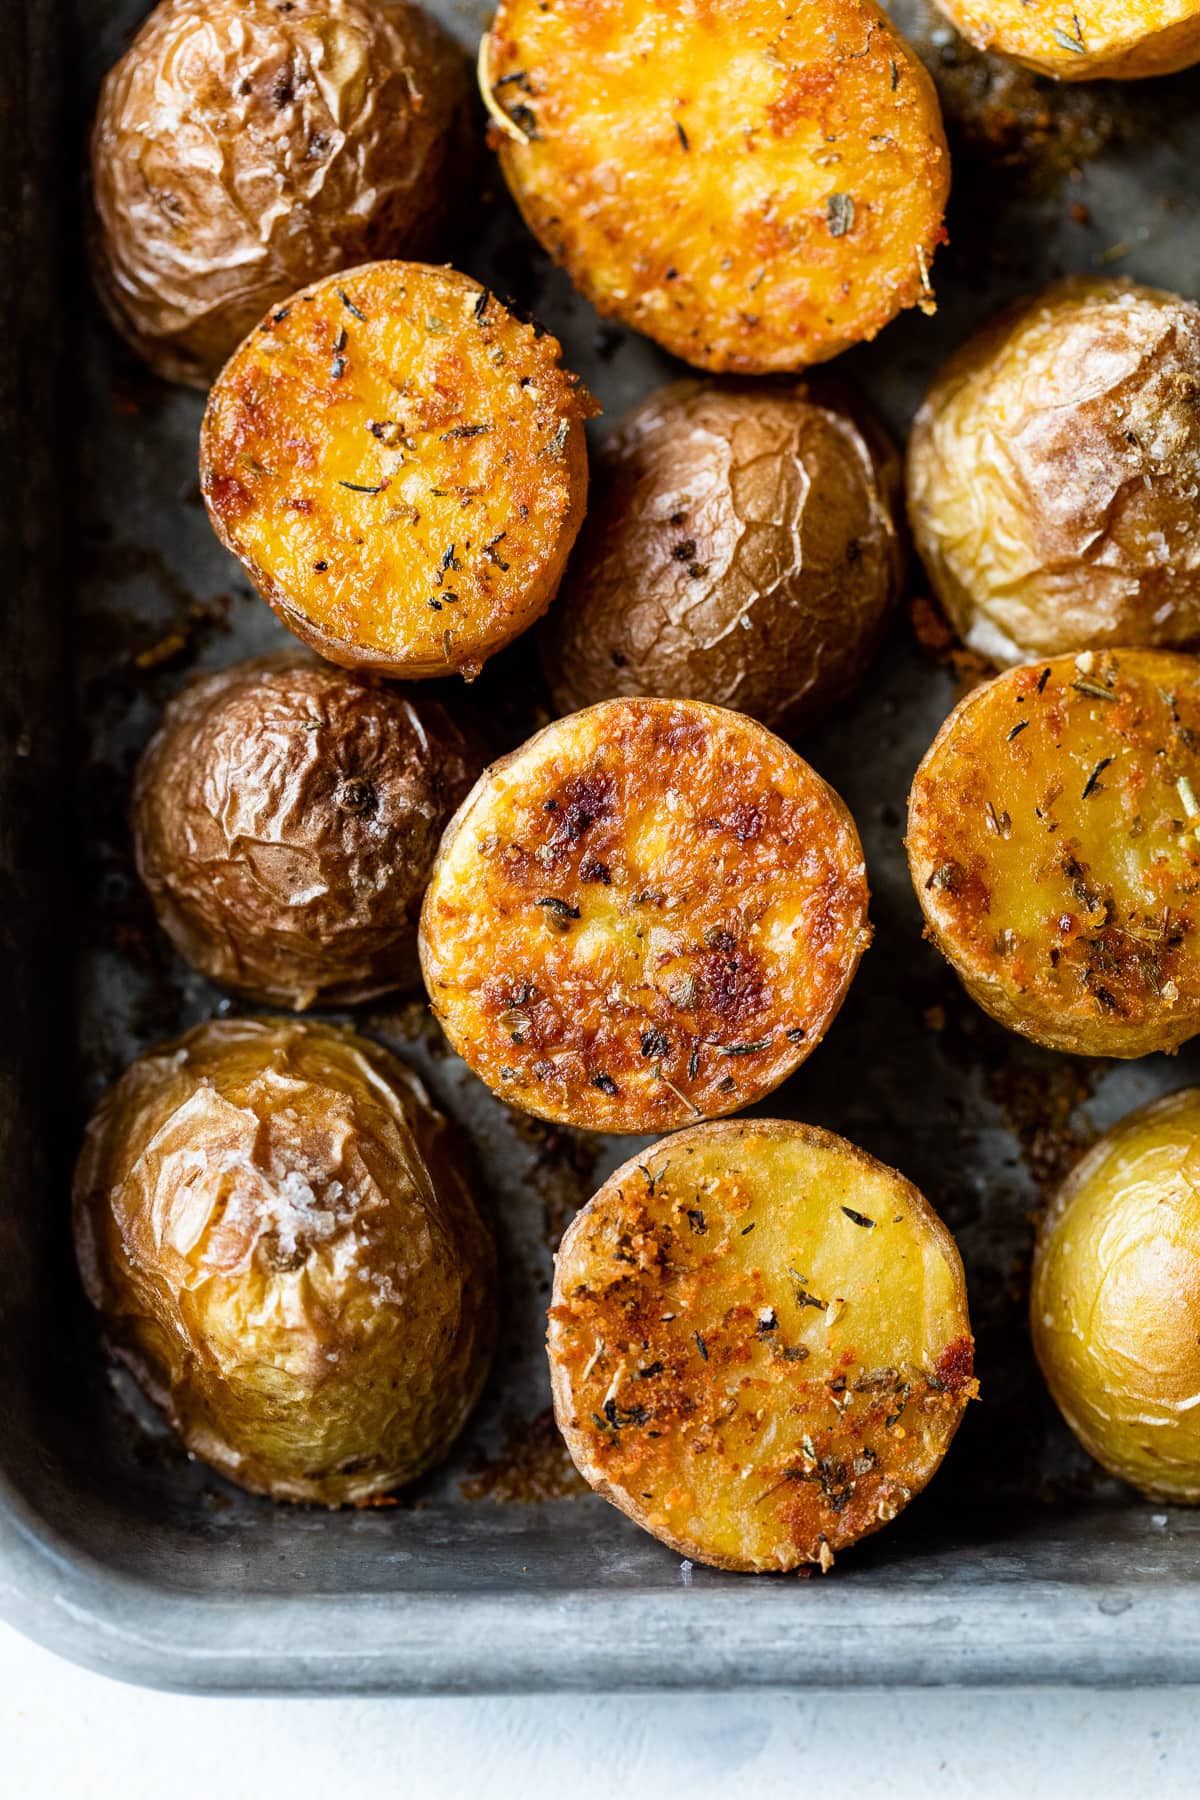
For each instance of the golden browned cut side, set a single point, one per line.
(399, 464)
(1053, 470)
(1102, 39)
(759, 1343)
(1052, 840)
(242, 148)
(755, 187)
(285, 1249)
(1115, 1301)
(648, 914)
(286, 815)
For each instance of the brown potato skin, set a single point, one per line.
(741, 547)
(1115, 1299)
(286, 816)
(1118, 40)
(754, 187)
(706, 1392)
(1053, 470)
(277, 1230)
(241, 149)
(1036, 800)
(399, 464)
(649, 913)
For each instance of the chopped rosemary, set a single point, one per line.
(682, 135)
(701, 1346)
(1017, 729)
(1093, 689)
(697, 1221)
(1065, 41)
(1043, 678)
(348, 303)
(356, 487)
(857, 1218)
(1092, 785)
(801, 1293)
(464, 431)
(743, 1049)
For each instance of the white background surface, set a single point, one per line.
(66, 1733)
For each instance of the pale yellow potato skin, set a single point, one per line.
(282, 1240)
(759, 1343)
(1113, 40)
(1053, 847)
(1115, 1301)
(242, 148)
(756, 187)
(1054, 470)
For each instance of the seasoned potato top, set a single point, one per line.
(1083, 41)
(756, 186)
(243, 147)
(399, 461)
(1054, 473)
(1053, 840)
(759, 1342)
(647, 914)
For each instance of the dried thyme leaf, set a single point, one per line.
(839, 214)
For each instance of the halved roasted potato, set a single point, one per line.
(759, 1343)
(1053, 472)
(756, 187)
(1115, 1303)
(280, 1235)
(1109, 39)
(741, 546)
(648, 914)
(1053, 843)
(286, 815)
(400, 466)
(244, 147)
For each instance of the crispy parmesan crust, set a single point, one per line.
(399, 464)
(759, 1343)
(648, 914)
(282, 1240)
(756, 188)
(1053, 847)
(1115, 1300)
(1102, 39)
(286, 815)
(242, 148)
(1053, 471)
(741, 547)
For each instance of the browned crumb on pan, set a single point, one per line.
(1040, 1106)
(532, 1466)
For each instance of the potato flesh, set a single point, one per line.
(1053, 845)
(270, 1222)
(242, 148)
(756, 189)
(740, 547)
(647, 914)
(759, 1343)
(403, 486)
(1115, 1303)
(1101, 38)
(1054, 471)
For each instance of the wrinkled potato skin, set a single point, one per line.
(274, 1224)
(741, 547)
(286, 819)
(1119, 40)
(756, 188)
(1115, 1303)
(399, 464)
(242, 149)
(649, 913)
(802, 1371)
(1053, 473)
(1053, 846)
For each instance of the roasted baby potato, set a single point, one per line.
(399, 464)
(1113, 39)
(755, 187)
(274, 1224)
(648, 914)
(1115, 1305)
(242, 148)
(1053, 472)
(286, 816)
(1053, 843)
(759, 1343)
(740, 547)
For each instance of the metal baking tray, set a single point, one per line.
(1022, 1563)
